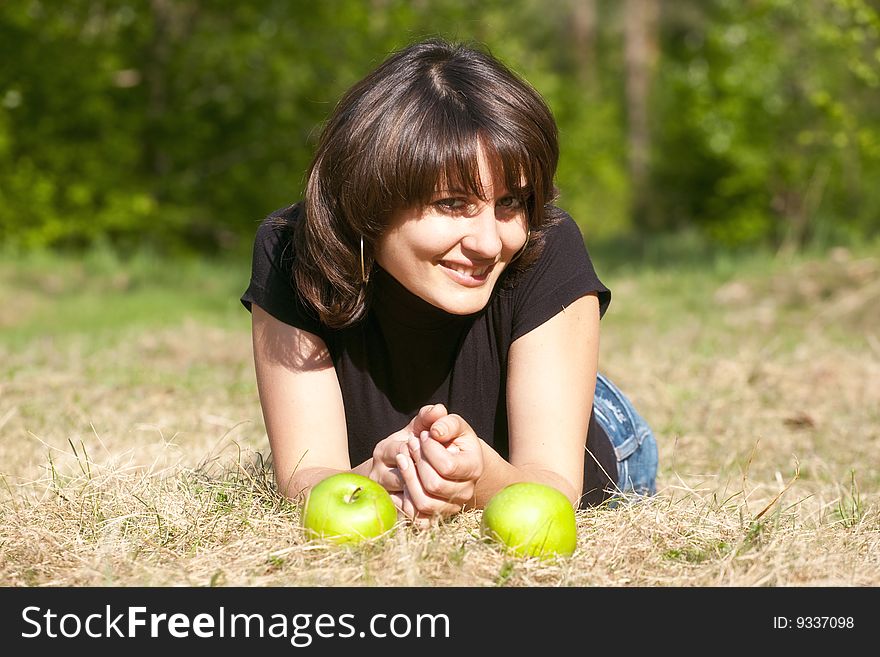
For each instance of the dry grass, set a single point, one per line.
(137, 456)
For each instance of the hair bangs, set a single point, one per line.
(512, 164)
(443, 155)
(440, 153)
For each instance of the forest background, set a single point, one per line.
(174, 125)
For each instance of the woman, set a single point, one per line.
(425, 316)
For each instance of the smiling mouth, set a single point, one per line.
(469, 276)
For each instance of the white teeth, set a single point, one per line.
(465, 271)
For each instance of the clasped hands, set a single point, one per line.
(431, 466)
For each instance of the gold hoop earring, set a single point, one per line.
(524, 246)
(363, 270)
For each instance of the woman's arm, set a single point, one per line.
(305, 416)
(301, 402)
(550, 386)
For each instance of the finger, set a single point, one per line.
(416, 519)
(453, 464)
(397, 498)
(415, 448)
(386, 450)
(427, 416)
(448, 428)
(423, 522)
(386, 476)
(393, 445)
(392, 480)
(437, 456)
(424, 503)
(409, 509)
(428, 478)
(437, 486)
(406, 504)
(432, 482)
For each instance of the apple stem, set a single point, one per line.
(353, 494)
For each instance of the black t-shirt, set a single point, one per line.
(407, 353)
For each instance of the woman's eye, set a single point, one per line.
(461, 206)
(451, 204)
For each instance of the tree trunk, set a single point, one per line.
(172, 24)
(583, 25)
(640, 52)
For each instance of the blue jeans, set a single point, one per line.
(633, 441)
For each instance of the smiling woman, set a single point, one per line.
(426, 316)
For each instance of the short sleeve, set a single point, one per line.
(271, 286)
(563, 273)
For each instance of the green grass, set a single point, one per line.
(101, 295)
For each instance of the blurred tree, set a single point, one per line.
(68, 123)
(766, 119)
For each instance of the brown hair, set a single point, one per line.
(417, 120)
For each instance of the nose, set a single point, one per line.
(483, 239)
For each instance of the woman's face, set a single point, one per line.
(452, 251)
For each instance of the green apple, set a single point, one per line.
(348, 508)
(531, 520)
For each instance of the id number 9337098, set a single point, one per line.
(813, 622)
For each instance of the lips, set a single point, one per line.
(466, 275)
(467, 270)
